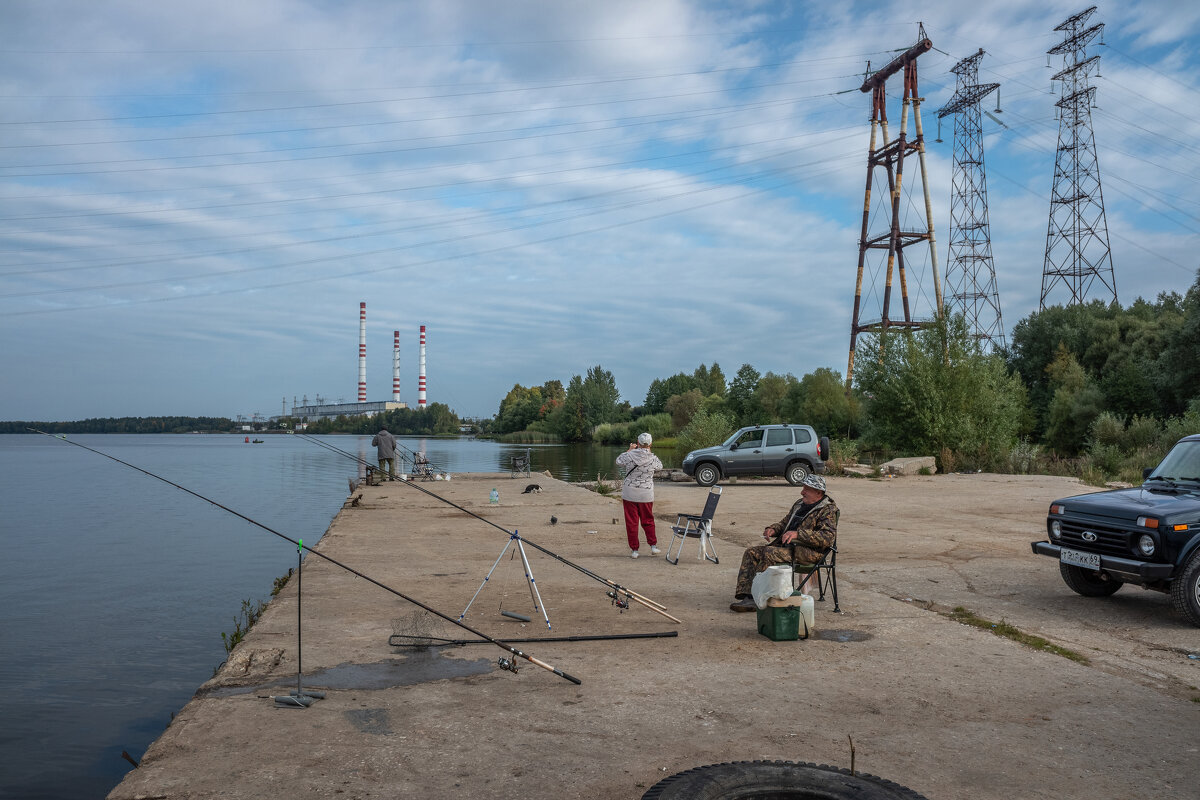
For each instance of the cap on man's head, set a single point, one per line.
(645, 438)
(814, 482)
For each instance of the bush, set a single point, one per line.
(1024, 458)
(705, 430)
(933, 390)
(619, 433)
(841, 453)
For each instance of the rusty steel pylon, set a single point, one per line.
(1077, 248)
(970, 270)
(890, 158)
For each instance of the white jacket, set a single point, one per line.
(639, 466)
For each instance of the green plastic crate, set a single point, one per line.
(779, 624)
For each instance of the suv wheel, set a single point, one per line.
(1086, 582)
(707, 474)
(796, 473)
(1185, 590)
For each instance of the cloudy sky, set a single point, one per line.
(196, 195)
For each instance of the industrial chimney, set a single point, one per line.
(396, 366)
(421, 378)
(362, 352)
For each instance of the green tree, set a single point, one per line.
(709, 380)
(661, 391)
(600, 396)
(768, 398)
(682, 407)
(1074, 406)
(820, 399)
(934, 392)
(741, 392)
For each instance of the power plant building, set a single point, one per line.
(348, 409)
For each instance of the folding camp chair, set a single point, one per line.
(828, 563)
(422, 469)
(519, 465)
(696, 526)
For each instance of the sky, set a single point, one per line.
(195, 196)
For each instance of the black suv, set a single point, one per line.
(1149, 536)
(793, 451)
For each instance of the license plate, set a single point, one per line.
(1079, 559)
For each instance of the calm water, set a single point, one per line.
(115, 587)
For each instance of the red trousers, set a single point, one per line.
(639, 512)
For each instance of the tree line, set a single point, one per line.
(127, 425)
(1074, 382)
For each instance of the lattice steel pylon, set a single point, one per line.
(890, 157)
(970, 270)
(1077, 249)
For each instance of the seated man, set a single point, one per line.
(811, 524)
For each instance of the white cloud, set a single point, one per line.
(546, 185)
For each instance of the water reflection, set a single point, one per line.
(568, 462)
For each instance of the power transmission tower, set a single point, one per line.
(890, 158)
(970, 271)
(1077, 250)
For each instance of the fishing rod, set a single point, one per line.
(641, 599)
(504, 663)
(434, 641)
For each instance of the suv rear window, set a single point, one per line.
(778, 436)
(802, 436)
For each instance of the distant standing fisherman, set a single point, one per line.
(637, 492)
(385, 450)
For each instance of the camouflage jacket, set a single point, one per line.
(816, 529)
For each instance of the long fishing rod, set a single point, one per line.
(504, 663)
(434, 641)
(657, 608)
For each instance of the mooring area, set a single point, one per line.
(398, 703)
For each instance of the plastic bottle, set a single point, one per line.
(494, 498)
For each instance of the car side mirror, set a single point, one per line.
(1146, 472)
(733, 446)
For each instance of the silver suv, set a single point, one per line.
(793, 451)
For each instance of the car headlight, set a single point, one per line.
(1056, 529)
(1146, 544)
(689, 457)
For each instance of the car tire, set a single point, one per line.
(1185, 589)
(796, 472)
(707, 474)
(743, 779)
(1087, 582)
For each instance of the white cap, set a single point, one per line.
(644, 438)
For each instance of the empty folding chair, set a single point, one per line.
(519, 465)
(698, 526)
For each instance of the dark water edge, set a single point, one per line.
(116, 587)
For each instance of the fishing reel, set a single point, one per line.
(509, 664)
(620, 602)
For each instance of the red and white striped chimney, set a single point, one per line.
(421, 377)
(362, 352)
(396, 366)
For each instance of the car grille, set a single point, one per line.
(1111, 541)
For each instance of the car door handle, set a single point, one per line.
(788, 450)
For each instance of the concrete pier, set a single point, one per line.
(948, 710)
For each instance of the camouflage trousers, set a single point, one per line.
(756, 560)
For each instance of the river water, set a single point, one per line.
(115, 587)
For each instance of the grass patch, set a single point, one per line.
(1006, 631)
(242, 623)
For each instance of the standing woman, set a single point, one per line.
(637, 492)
